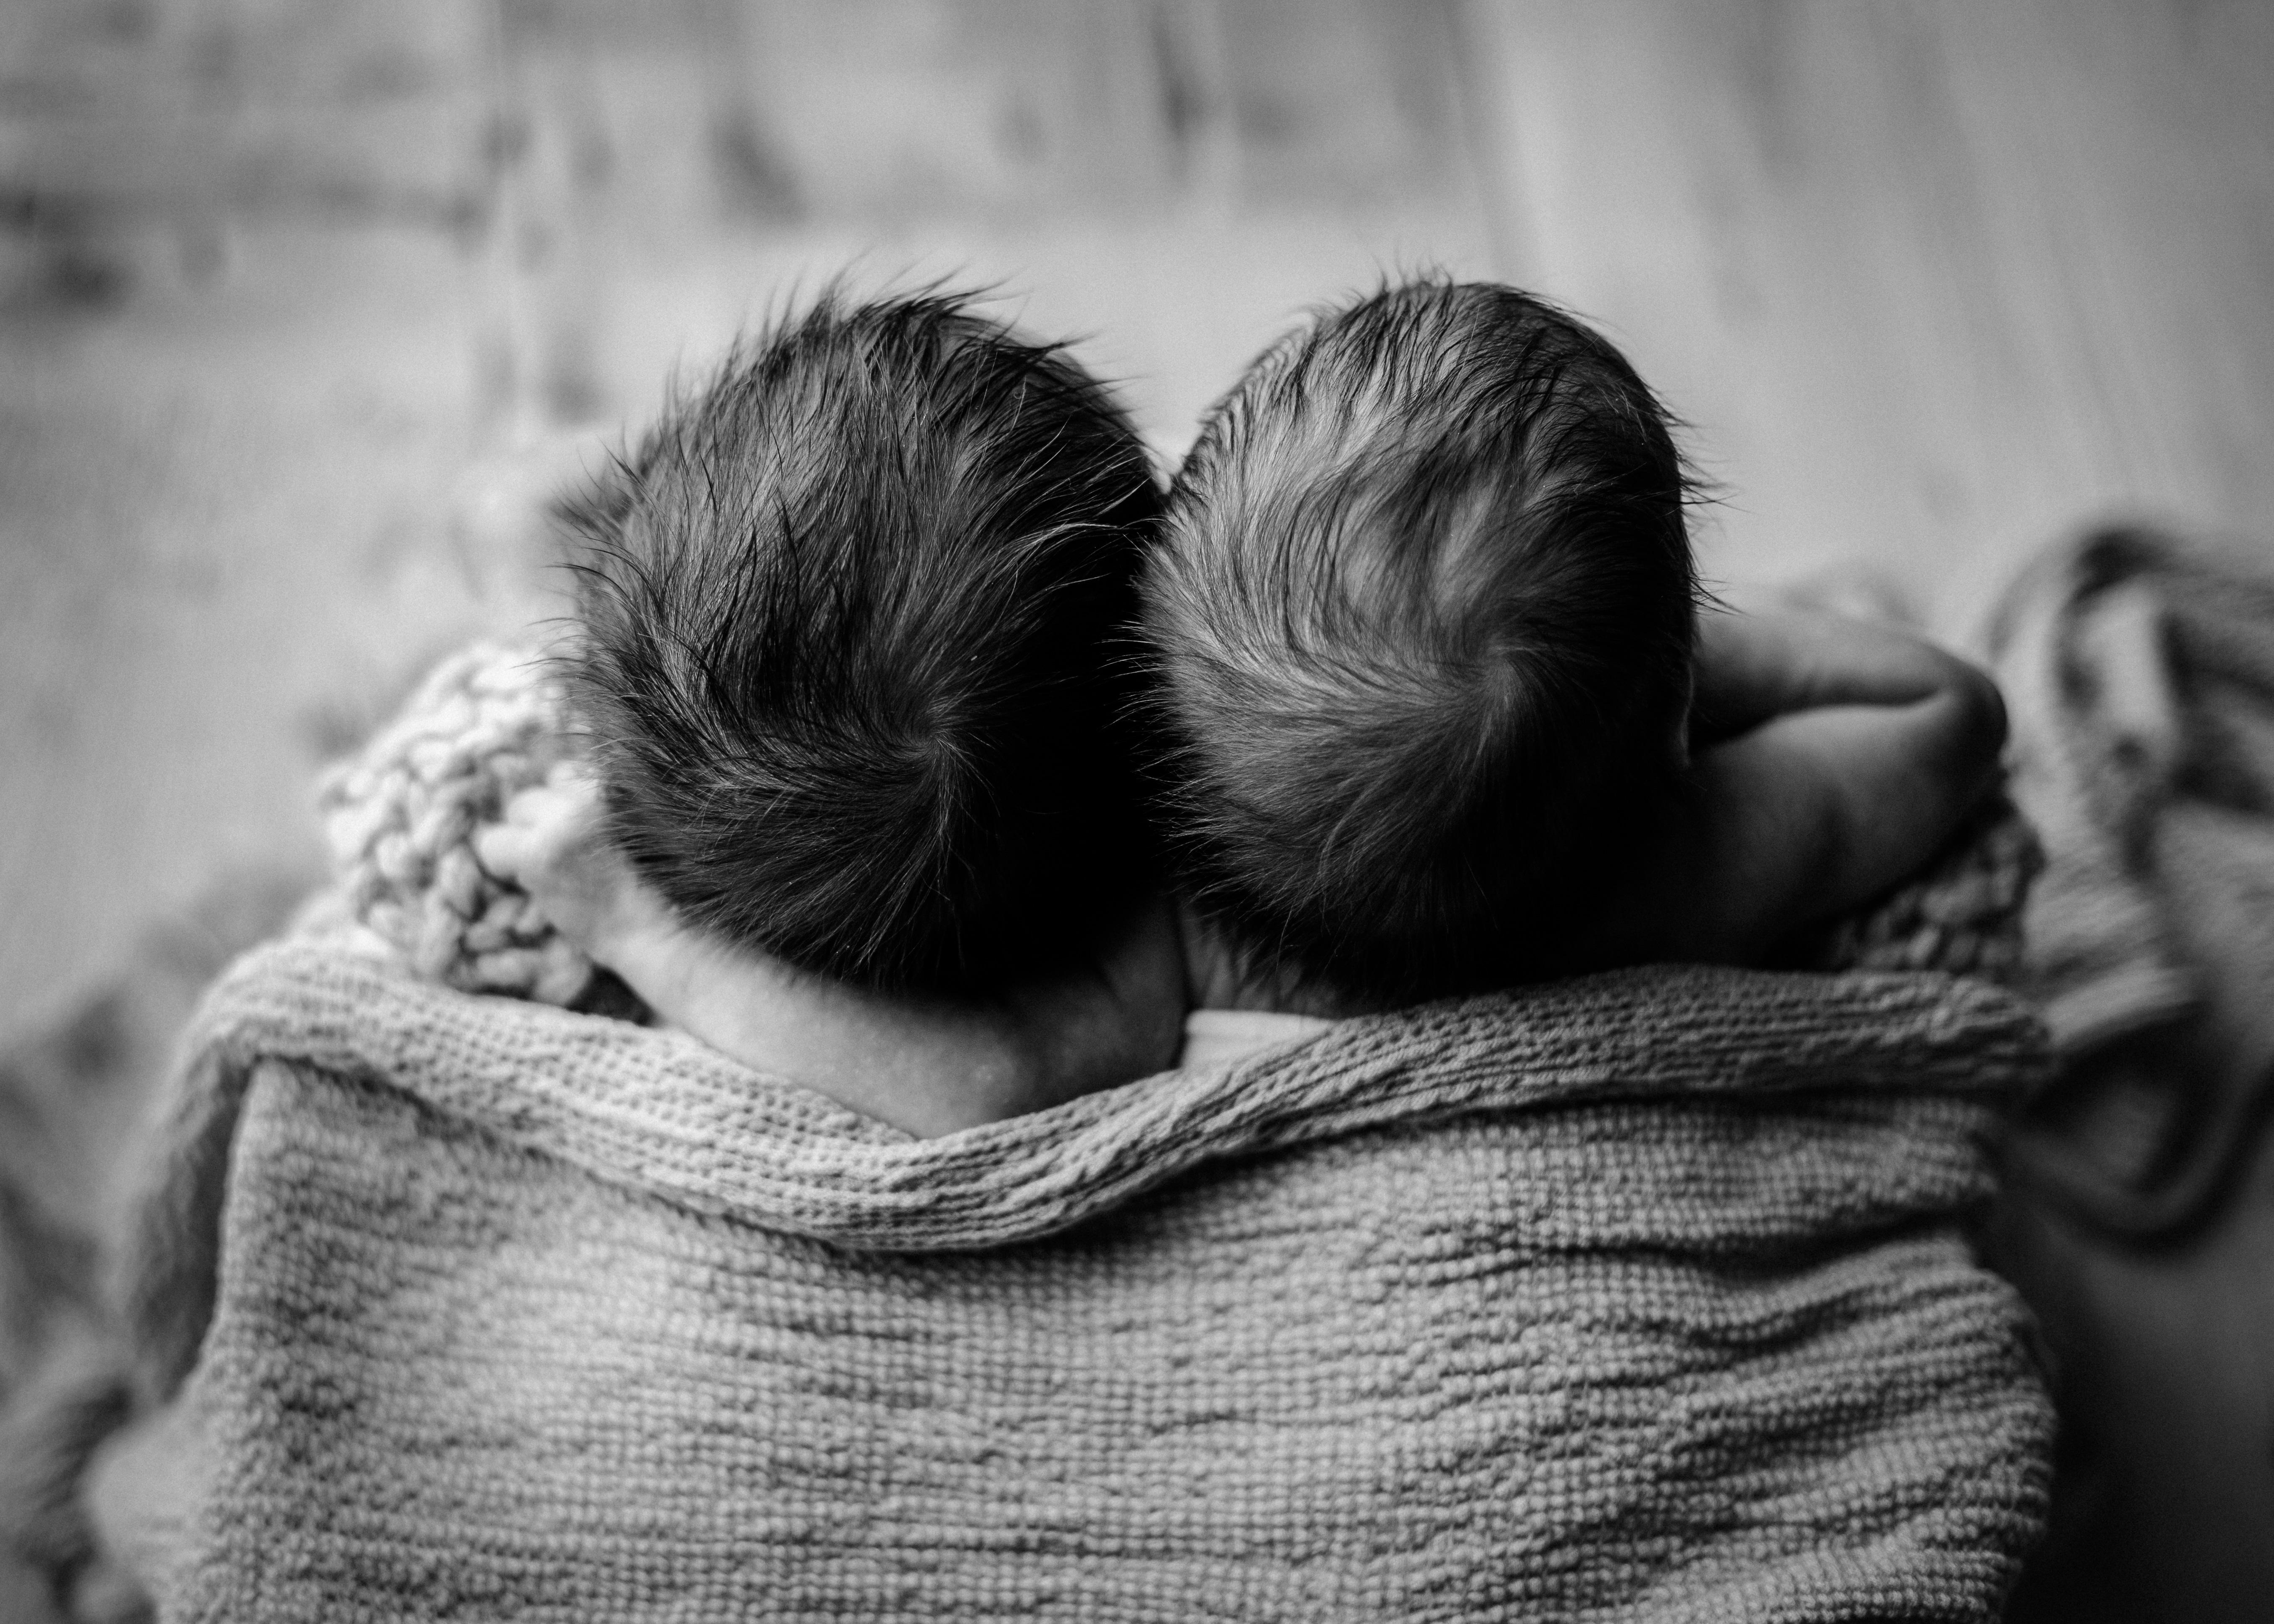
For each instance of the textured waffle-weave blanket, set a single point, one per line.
(1639, 1297)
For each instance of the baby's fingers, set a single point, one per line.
(507, 851)
(553, 843)
(543, 828)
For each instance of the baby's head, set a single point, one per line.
(853, 620)
(1423, 619)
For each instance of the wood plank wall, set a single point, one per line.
(1930, 281)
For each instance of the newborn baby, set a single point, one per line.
(1442, 714)
(863, 806)
(1435, 711)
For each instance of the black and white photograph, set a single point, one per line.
(1125, 810)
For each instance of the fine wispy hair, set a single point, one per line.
(1422, 624)
(850, 651)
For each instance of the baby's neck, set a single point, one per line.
(929, 1066)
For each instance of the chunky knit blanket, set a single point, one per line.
(2139, 666)
(1646, 1295)
(400, 817)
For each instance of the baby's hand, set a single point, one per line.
(553, 843)
(928, 1065)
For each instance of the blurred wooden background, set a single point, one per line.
(300, 301)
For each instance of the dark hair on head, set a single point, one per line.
(854, 625)
(1422, 623)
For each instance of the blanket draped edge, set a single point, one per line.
(659, 1113)
(1641, 1295)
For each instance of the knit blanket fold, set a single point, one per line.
(1643, 1295)
(2139, 665)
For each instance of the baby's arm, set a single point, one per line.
(1836, 758)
